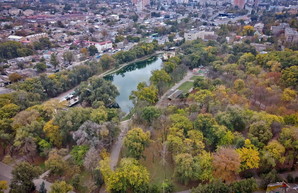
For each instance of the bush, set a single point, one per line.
(290, 178)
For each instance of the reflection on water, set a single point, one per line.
(127, 79)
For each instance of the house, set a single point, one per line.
(291, 35)
(276, 30)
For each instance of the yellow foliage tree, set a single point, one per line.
(53, 133)
(249, 156)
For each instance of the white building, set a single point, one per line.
(193, 35)
(15, 38)
(101, 46)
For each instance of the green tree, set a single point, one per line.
(92, 50)
(22, 176)
(54, 61)
(78, 153)
(213, 187)
(135, 141)
(97, 90)
(150, 113)
(260, 133)
(40, 67)
(68, 57)
(60, 187)
(185, 167)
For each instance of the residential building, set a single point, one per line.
(291, 35)
(239, 3)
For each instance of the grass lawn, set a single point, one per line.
(194, 77)
(186, 86)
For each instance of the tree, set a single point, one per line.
(160, 76)
(107, 61)
(78, 153)
(42, 188)
(205, 168)
(54, 61)
(3, 186)
(150, 114)
(276, 151)
(260, 133)
(91, 159)
(248, 30)
(234, 118)
(96, 90)
(249, 156)
(15, 77)
(135, 141)
(226, 164)
(214, 187)
(129, 176)
(60, 187)
(92, 50)
(22, 176)
(55, 164)
(290, 76)
(53, 133)
(68, 57)
(185, 167)
(289, 95)
(244, 186)
(145, 93)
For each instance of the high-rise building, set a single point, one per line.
(239, 3)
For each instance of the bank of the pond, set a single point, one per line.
(128, 77)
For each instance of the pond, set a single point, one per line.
(128, 78)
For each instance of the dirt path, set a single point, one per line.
(116, 148)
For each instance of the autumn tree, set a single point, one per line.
(226, 164)
(135, 142)
(53, 133)
(60, 187)
(107, 61)
(290, 76)
(145, 93)
(3, 186)
(15, 77)
(249, 156)
(129, 176)
(248, 30)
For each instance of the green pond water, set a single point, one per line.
(127, 79)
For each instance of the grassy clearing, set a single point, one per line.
(186, 86)
(194, 77)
